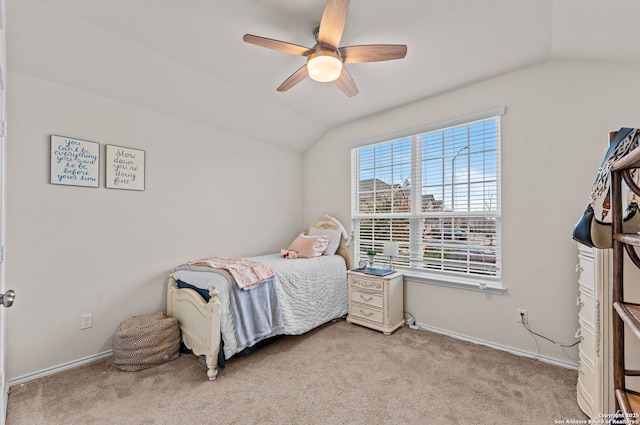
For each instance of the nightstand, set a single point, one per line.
(376, 302)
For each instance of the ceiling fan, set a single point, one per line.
(325, 60)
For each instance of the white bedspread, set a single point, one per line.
(311, 292)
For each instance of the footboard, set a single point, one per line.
(199, 322)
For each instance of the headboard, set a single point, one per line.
(345, 249)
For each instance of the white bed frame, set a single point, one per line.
(200, 321)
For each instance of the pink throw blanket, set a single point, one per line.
(247, 273)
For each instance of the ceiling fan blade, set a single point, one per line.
(372, 53)
(281, 46)
(294, 79)
(332, 23)
(346, 84)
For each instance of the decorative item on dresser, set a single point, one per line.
(594, 227)
(376, 302)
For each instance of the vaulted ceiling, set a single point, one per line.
(187, 59)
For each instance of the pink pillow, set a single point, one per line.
(308, 246)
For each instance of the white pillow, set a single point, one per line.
(334, 238)
(308, 246)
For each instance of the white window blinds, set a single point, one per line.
(437, 193)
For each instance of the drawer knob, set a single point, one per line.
(369, 314)
(367, 299)
(579, 268)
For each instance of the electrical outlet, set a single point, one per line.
(520, 314)
(85, 321)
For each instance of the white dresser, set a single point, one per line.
(595, 382)
(595, 373)
(376, 301)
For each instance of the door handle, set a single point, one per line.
(7, 298)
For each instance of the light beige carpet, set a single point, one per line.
(336, 374)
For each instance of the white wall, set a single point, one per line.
(76, 250)
(554, 135)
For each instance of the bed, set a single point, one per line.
(303, 294)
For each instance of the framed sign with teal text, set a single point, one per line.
(74, 162)
(124, 168)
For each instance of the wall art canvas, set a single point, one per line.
(124, 168)
(74, 162)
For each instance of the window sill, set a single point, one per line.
(470, 284)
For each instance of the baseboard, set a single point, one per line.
(58, 368)
(567, 365)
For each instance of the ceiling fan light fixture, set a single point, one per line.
(324, 65)
(326, 58)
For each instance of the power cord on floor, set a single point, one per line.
(526, 326)
(410, 321)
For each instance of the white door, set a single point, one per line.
(3, 85)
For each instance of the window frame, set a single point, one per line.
(467, 280)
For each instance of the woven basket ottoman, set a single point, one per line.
(145, 341)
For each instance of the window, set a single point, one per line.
(436, 191)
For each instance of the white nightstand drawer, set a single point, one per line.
(373, 299)
(367, 313)
(370, 284)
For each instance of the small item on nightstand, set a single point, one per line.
(372, 256)
(391, 249)
(377, 271)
